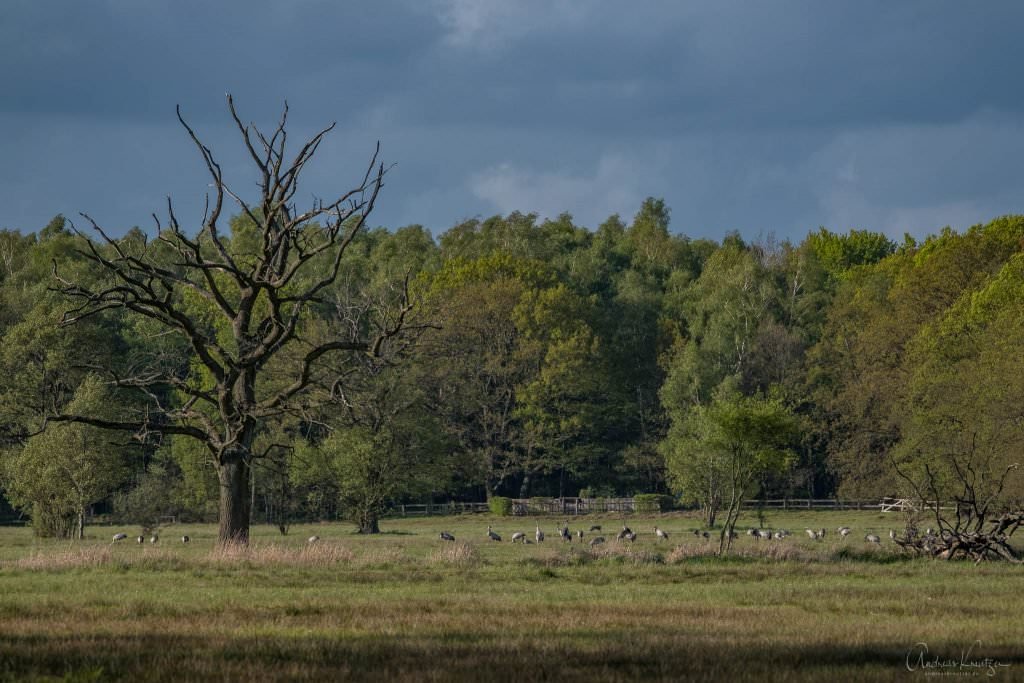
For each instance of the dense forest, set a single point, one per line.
(543, 358)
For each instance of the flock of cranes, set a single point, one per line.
(627, 534)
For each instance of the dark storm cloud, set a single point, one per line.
(753, 116)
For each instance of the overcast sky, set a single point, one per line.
(763, 117)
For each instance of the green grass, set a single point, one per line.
(406, 606)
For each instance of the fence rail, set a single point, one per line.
(583, 506)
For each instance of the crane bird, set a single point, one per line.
(185, 539)
(519, 536)
(892, 534)
(579, 534)
(811, 533)
(595, 527)
(626, 531)
(312, 539)
(445, 536)
(140, 539)
(493, 536)
(844, 531)
(872, 538)
(154, 538)
(629, 537)
(564, 533)
(660, 534)
(596, 540)
(765, 533)
(539, 535)
(119, 537)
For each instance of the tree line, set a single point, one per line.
(510, 356)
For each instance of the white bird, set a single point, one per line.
(811, 533)
(119, 537)
(445, 536)
(660, 534)
(892, 534)
(154, 538)
(493, 536)
(140, 539)
(539, 535)
(872, 538)
(844, 531)
(312, 539)
(519, 536)
(185, 539)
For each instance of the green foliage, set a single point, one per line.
(499, 505)
(58, 474)
(653, 502)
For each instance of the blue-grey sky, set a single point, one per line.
(762, 117)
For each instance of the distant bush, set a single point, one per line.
(653, 502)
(500, 505)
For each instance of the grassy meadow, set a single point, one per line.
(406, 606)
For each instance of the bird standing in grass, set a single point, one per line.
(626, 531)
(844, 531)
(493, 536)
(140, 539)
(445, 536)
(539, 535)
(564, 533)
(595, 527)
(119, 537)
(185, 539)
(660, 534)
(872, 538)
(154, 538)
(519, 536)
(579, 534)
(313, 539)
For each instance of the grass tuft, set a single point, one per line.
(456, 555)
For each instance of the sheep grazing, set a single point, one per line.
(892, 534)
(119, 537)
(445, 536)
(519, 536)
(312, 539)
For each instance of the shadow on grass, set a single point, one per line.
(456, 656)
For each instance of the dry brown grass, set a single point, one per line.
(456, 555)
(779, 552)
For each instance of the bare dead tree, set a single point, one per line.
(261, 297)
(981, 523)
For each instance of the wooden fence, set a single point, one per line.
(583, 506)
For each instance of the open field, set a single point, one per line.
(406, 606)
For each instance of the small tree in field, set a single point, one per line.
(727, 447)
(264, 333)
